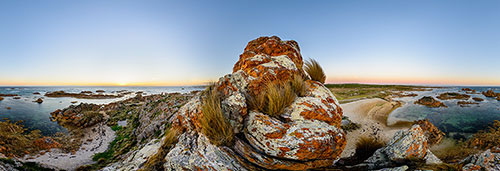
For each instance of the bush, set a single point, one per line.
(366, 146)
(213, 123)
(156, 161)
(315, 71)
(273, 99)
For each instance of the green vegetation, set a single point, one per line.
(315, 71)
(351, 92)
(156, 161)
(213, 123)
(366, 146)
(116, 128)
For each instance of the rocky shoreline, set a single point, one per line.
(273, 112)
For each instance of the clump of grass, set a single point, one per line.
(366, 146)
(213, 123)
(315, 71)
(273, 99)
(156, 161)
(298, 85)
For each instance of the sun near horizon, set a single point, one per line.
(130, 43)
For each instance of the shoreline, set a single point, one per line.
(371, 114)
(96, 140)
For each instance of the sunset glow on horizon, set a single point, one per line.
(179, 43)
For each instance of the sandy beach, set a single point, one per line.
(371, 115)
(96, 140)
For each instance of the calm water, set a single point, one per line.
(36, 116)
(454, 119)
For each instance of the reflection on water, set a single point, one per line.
(454, 119)
(36, 116)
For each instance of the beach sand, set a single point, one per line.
(372, 116)
(96, 140)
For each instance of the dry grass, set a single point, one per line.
(214, 125)
(315, 71)
(366, 146)
(273, 99)
(298, 85)
(156, 161)
(451, 151)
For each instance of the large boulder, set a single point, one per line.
(486, 160)
(489, 93)
(408, 145)
(307, 135)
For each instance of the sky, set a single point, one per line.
(162, 43)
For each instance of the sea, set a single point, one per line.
(454, 120)
(35, 116)
(457, 122)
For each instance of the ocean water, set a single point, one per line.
(454, 120)
(37, 116)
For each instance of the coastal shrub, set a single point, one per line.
(213, 123)
(315, 71)
(298, 85)
(273, 99)
(155, 162)
(366, 146)
(351, 127)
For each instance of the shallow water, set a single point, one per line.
(37, 116)
(453, 119)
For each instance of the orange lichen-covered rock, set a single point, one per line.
(487, 160)
(411, 144)
(433, 134)
(268, 59)
(299, 140)
(307, 135)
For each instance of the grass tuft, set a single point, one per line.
(156, 161)
(273, 99)
(213, 123)
(315, 71)
(298, 85)
(366, 146)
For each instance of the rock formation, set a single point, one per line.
(490, 93)
(409, 145)
(306, 135)
(477, 99)
(39, 100)
(1, 98)
(486, 160)
(430, 102)
(82, 95)
(452, 95)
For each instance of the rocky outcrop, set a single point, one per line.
(82, 95)
(486, 160)
(307, 135)
(39, 100)
(452, 95)
(1, 98)
(489, 93)
(410, 145)
(433, 134)
(430, 102)
(477, 99)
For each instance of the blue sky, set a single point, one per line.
(191, 42)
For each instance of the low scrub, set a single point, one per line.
(486, 139)
(213, 123)
(16, 141)
(273, 99)
(315, 71)
(366, 146)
